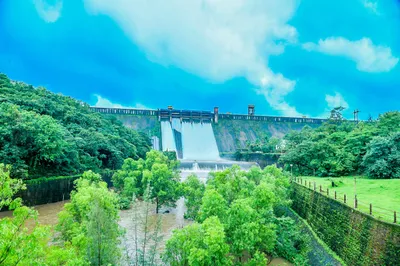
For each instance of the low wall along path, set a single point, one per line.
(357, 237)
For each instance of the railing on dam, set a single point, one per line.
(272, 118)
(125, 111)
(204, 115)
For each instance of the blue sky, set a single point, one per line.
(287, 57)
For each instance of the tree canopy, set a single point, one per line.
(157, 173)
(243, 209)
(340, 148)
(42, 134)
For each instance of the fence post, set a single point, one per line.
(395, 218)
(301, 181)
(315, 186)
(344, 198)
(370, 209)
(309, 184)
(305, 183)
(355, 201)
(335, 194)
(327, 192)
(320, 188)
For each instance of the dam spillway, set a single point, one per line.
(198, 142)
(192, 140)
(168, 142)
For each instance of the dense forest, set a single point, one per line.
(47, 134)
(340, 148)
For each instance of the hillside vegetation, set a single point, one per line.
(43, 134)
(340, 148)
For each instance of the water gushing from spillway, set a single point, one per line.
(198, 142)
(167, 136)
(191, 140)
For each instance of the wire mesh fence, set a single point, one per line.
(378, 212)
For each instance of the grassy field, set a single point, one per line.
(383, 194)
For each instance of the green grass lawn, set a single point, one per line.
(383, 194)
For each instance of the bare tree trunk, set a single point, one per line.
(146, 229)
(156, 205)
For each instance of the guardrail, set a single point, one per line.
(273, 118)
(124, 111)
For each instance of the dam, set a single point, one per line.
(205, 137)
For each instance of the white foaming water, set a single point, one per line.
(168, 142)
(198, 142)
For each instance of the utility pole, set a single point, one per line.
(356, 115)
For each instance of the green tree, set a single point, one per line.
(8, 188)
(156, 172)
(336, 113)
(102, 234)
(231, 183)
(90, 221)
(258, 259)
(163, 179)
(198, 244)
(213, 204)
(20, 245)
(128, 180)
(382, 159)
(44, 134)
(388, 123)
(193, 191)
(246, 232)
(292, 243)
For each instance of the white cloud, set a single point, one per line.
(371, 5)
(368, 57)
(50, 12)
(104, 102)
(333, 101)
(214, 39)
(336, 100)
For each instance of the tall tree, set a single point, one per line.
(164, 183)
(90, 221)
(382, 159)
(193, 190)
(198, 244)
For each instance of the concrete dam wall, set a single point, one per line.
(232, 135)
(231, 131)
